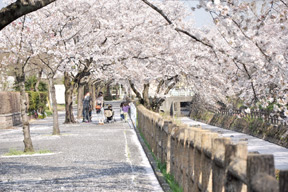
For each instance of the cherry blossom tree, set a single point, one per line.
(244, 48)
(19, 51)
(255, 35)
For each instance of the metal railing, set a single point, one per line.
(265, 116)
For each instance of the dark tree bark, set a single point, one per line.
(56, 130)
(160, 84)
(69, 117)
(98, 87)
(69, 84)
(25, 121)
(38, 80)
(80, 97)
(108, 95)
(137, 93)
(90, 86)
(117, 91)
(146, 95)
(19, 8)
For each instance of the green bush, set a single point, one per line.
(30, 84)
(37, 101)
(48, 112)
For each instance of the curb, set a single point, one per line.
(160, 177)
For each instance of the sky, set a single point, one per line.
(201, 17)
(1, 4)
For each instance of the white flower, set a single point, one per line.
(247, 110)
(281, 101)
(276, 108)
(271, 100)
(286, 112)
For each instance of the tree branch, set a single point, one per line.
(138, 95)
(176, 29)
(19, 8)
(160, 85)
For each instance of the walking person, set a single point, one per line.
(86, 107)
(125, 109)
(121, 111)
(100, 108)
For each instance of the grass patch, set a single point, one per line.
(48, 113)
(60, 107)
(162, 167)
(178, 121)
(13, 152)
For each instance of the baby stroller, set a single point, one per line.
(109, 114)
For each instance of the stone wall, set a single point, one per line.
(201, 160)
(9, 109)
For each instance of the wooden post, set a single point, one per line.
(218, 167)
(177, 154)
(206, 159)
(185, 161)
(165, 133)
(261, 173)
(173, 155)
(191, 158)
(169, 148)
(197, 160)
(180, 157)
(283, 181)
(236, 165)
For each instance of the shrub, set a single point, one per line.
(37, 102)
(48, 112)
(30, 84)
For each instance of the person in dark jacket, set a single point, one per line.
(86, 108)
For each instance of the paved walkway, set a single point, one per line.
(86, 157)
(254, 144)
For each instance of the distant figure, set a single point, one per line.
(86, 108)
(125, 110)
(121, 111)
(100, 108)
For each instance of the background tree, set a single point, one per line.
(20, 51)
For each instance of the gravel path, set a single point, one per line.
(86, 157)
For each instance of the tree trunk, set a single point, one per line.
(93, 95)
(146, 96)
(98, 89)
(138, 95)
(38, 80)
(56, 130)
(90, 86)
(69, 117)
(80, 97)
(116, 91)
(156, 104)
(108, 95)
(26, 127)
